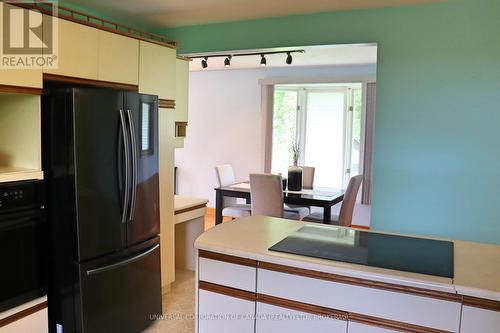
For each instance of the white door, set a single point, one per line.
(272, 319)
(221, 313)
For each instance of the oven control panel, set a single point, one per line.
(20, 195)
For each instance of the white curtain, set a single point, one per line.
(267, 105)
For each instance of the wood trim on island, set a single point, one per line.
(5, 88)
(228, 291)
(360, 282)
(392, 324)
(98, 83)
(303, 307)
(316, 310)
(21, 314)
(482, 303)
(166, 103)
(227, 258)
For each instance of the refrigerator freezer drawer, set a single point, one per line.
(122, 296)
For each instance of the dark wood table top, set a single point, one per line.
(318, 194)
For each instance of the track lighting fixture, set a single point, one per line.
(228, 57)
(227, 61)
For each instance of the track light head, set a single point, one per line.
(227, 61)
(289, 58)
(263, 61)
(204, 63)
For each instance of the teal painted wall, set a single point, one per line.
(437, 144)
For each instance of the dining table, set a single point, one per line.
(323, 197)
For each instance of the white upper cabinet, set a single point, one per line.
(118, 58)
(20, 77)
(182, 88)
(157, 70)
(78, 54)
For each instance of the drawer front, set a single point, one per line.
(222, 313)
(362, 328)
(227, 274)
(271, 319)
(476, 320)
(406, 308)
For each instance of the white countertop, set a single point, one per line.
(477, 266)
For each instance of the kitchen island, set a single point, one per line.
(244, 287)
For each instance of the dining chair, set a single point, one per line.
(347, 208)
(266, 193)
(307, 183)
(225, 175)
(308, 177)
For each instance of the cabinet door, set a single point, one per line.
(476, 320)
(157, 70)
(181, 90)
(20, 77)
(221, 313)
(118, 58)
(78, 51)
(363, 328)
(271, 319)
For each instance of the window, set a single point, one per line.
(325, 122)
(284, 129)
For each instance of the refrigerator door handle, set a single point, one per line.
(134, 164)
(126, 146)
(121, 263)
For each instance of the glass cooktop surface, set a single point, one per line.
(409, 254)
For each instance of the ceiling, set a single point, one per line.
(328, 55)
(171, 13)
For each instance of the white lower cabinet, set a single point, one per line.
(271, 319)
(476, 320)
(221, 313)
(354, 327)
(396, 306)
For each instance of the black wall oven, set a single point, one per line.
(23, 247)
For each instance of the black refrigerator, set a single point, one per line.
(100, 158)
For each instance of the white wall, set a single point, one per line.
(225, 121)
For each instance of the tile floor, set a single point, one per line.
(178, 306)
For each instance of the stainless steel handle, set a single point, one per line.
(134, 164)
(122, 263)
(126, 146)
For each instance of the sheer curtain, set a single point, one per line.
(267, 106)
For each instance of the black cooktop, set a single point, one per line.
(410, 254)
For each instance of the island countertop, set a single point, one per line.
(476, 265)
